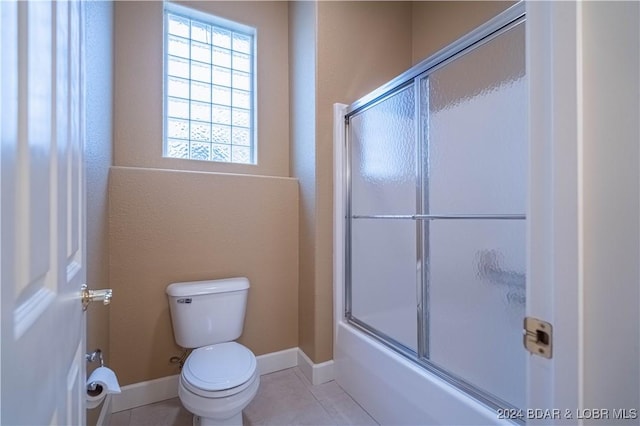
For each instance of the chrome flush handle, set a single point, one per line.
(89, 296)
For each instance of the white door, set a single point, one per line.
(42, 212)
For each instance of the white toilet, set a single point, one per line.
(219, 378)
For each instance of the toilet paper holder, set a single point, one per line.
(92, 357)
(97, 354)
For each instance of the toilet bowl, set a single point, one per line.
(217, 382)
(219, 378)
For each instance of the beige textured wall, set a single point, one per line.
(361, 45)
(302, 87)
(436, 24)
(98, 158)
(138, 78)
(169, 226)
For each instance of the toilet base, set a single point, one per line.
(233, 421)
(225, 410)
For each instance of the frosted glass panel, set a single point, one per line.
(384, 157)
(383, 287)
(476, 129)
(477, 303)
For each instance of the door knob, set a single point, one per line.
(89, 296)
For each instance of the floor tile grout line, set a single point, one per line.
(308, 385)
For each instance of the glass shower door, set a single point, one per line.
(383, 243)
(436, 202)
(475, 130)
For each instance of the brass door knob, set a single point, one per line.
(89, 296)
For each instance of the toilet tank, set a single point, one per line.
(207, 312)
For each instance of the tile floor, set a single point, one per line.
(284, 398)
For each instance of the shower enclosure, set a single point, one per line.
(434, 227)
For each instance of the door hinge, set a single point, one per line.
(538, 337)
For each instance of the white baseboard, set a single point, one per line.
(276, 361)
(149, 392)
(316, 373)
(144, 393)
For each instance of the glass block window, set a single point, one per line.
(209, 89)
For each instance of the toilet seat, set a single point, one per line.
(220, 370)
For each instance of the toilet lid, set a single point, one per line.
(219, 367)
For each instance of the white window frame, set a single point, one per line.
(226, 24)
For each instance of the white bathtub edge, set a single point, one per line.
(395, 391)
